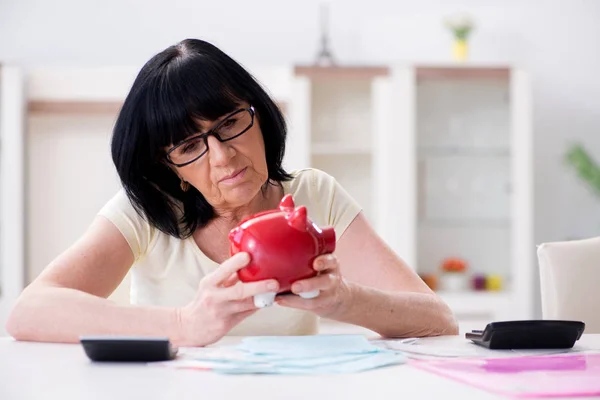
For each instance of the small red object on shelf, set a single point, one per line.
(454, 265)
(282, 244)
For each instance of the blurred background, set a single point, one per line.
(467, 130)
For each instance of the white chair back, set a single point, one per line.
(570, 281)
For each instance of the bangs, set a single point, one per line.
(192, 89)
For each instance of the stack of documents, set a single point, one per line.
(319, 354)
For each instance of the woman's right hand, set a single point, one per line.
(222, 302)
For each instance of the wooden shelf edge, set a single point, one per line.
(73, 107)
(341, 72)
(463, 72)
(88, 107)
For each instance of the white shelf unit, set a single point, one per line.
(12, 111)
(439, 157)
(334, 126)
(467, 150)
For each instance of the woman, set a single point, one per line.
(198, 146)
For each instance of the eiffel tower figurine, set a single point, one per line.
(325, 56)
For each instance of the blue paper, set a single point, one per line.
(319, 354)
(307, 346)
(332, 366)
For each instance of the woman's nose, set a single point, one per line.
(219, 153)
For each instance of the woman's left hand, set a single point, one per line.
(334, 291)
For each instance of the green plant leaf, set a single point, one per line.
(585, 166)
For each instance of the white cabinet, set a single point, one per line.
(12, 111)
(440, 159)
(333, 127)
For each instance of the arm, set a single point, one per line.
(387, 296)
(69, 298)
(378, 290)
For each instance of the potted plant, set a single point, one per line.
(585, 166)
(453, 277)
(461, 27)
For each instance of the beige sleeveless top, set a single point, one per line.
(167, 270)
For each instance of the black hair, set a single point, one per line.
(189, 81)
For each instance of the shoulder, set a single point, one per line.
(120, 204)
(310, 179)
(138, 232)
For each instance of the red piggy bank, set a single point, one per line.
(282, 244)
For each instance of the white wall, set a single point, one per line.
(62, 194)
(558, 41)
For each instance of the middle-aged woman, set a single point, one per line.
(198, 146)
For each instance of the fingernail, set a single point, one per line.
(272, 285)
(297, 288)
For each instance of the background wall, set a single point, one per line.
(558, 41)
(63, 195)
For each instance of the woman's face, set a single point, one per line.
(231, 173)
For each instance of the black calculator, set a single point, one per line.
(528, 334)
(128, 348)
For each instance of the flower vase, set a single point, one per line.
(454, 281)
(461, 50)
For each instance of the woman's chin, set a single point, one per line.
(241, 195)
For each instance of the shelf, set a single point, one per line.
(462, 72)
(339, 149)
(89, 106)
(73, 107)
(341, 72)
(462, 223)
(430, 151)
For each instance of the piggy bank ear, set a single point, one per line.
(235, 236)
(287, 203)
(297, 219)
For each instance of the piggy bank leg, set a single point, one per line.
(264, 299)
(309, 295)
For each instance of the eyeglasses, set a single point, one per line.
(191, 149)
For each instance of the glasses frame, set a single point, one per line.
(212, 132)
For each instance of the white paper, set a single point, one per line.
(436, 347)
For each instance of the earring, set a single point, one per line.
(184, 185)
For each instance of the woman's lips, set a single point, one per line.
(234, 177)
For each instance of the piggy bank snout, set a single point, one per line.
(327, 241)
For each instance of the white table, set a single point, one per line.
(62, 371)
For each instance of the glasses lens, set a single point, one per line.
(188, 151)
(230, 128)
(235, 125)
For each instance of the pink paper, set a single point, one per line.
(534, 376)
